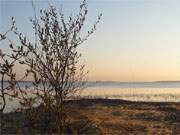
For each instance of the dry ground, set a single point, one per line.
(125, 117)
(105, 116)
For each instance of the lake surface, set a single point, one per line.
(141, 91)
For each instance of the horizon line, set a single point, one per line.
(115, 81)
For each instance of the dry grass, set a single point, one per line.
(105, 116)
(123, 117)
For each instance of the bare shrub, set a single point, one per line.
(52, 62)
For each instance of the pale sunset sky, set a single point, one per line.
(136, 40)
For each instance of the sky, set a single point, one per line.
(136, 40)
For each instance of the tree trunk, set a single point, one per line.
(60, 112)
(3, 102)
(3, 95)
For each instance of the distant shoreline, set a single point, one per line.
(113, 81)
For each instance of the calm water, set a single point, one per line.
(144, 91)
